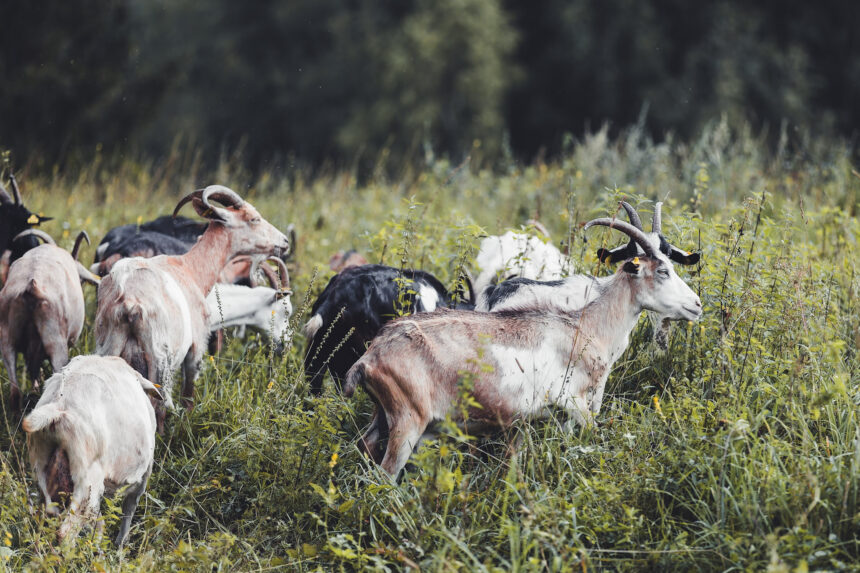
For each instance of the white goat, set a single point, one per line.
(153, 312)
(518, 254)
(520, 363)
(41, 309)
(92, 432)
(267, 309)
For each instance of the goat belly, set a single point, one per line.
(529, 379)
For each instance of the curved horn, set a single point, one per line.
(15, 190)
(223, 195)
(283, 273)
(538, 227)
(82, 236)
(273, 279)
(628, 250)
(633, 215)
(626, 228)
(36, 233)
(657, 219)
(187, 199)
(252, 272)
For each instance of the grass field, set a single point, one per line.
(737, 449)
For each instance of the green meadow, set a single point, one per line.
(738, 448)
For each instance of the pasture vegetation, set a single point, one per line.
(738, 448)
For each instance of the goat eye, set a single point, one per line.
(663, 272)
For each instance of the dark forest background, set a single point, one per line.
(317, 82)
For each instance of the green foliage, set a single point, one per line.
(389, 86)
(738, 448)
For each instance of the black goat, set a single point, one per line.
(15, 218)
(118, 239)
(143, 244)
(355, 305)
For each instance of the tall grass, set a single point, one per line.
(738, 448)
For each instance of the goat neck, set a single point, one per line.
(208, 257)
(609, 319)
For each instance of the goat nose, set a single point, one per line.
(698, 302)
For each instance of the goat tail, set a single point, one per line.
(356, 375)
(133, 312)
(313, 325)
(42, 417)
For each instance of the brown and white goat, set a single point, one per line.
(93, 431)
(153, 312)
(520, 363)
(41, 309)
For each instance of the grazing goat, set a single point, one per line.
(260, 307)
(165, 235)
(160, 237)
(519, 363)
(576, 291)
(92, 432)
(41, 309)
(14, 219)
(354, 306)
(518, 254)
(153, 312)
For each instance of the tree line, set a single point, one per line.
(348, 81)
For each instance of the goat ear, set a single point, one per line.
(617, 254)
(632, 266)
(683, 258)
(35, 219)
(86, 276)
(150, 388)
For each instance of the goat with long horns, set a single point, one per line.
(520, 362)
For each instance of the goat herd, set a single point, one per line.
(530, 341)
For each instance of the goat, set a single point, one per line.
(14, 219)
(576, 291)
(165, 235)
(41, 309)
(520, 363)
(92, 432)
(153, 312)
(518, 254)
(263, 308)
(354, 306)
